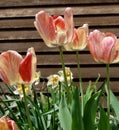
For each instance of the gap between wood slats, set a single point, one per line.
(27, 3)
(86, 10)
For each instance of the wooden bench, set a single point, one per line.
(17, 32)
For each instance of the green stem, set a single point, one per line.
(63, 66)
(26, 107)
(80, 81)
(108, 89)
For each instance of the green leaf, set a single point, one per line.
(77, 121)
(64, 115)
(90, 111)
(115, 104)
(104, 121)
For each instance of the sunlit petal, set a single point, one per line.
(9, 67)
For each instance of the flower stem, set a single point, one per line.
(63, 65)
(80, 81)
(108, 90)
(26, 107)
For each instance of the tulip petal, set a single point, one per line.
(45, 26)
(27, 67)
(9, 67)
(94, 41)
(69, 24)
(107, 46)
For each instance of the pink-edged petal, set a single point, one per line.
(107, 46)
(82, 33)
(116, 54)
(94, 45)
(9, 67)
(45, 26)
(69, 24)
(60, 31)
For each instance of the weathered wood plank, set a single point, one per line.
(78, 10)
(29, 34)
(92, 21)
(86, 72)
(18, 3)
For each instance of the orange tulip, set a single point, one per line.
(55, 30)
(79, 41)
(104, 47)
(16, 69)
(7, 124)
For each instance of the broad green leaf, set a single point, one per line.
(115, 104)
(64, 115)
(90, 111)
(77, 121)
(104, 121)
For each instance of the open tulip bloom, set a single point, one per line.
(16, 70)
(79, 41)
(64, 106)
(55, 30)
(104, 47)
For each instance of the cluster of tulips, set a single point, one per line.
(56, 31)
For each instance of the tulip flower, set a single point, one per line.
(7, 124)
(79, 41)
(55, 30)
(16, 70)
(104, 47)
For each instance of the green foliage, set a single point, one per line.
(61, 109)
(77, 121)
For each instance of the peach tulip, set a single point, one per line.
(16, 70)
(79, 41)
(55, 30)
(104, 47)
(7, 124)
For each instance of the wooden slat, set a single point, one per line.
(78, 10)
(14, 3)
(92, 21)
(29, 34)
(86, 72)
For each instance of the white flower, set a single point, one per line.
(27, 89)
(69, 75)
(53, 80)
